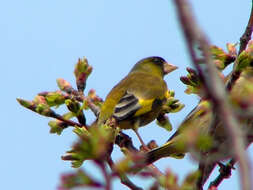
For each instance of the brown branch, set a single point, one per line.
(95, 109)
(245, 38)
(247, 33)
(225, 172)
(69, 122)
(206, 169)
(214, 86)
(123, 140)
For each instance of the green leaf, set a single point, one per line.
(54, 98)
(164, 122)
(57, 126)
(94, 144)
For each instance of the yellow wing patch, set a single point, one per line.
(146, 106)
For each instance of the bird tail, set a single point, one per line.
(166, 150)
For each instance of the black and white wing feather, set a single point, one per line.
(126, 107)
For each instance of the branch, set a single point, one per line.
(69, 122)
(247, 33)
(94, 108)
(124, 141)
(214, 86)
(206, 169)
(245, 38)
(225, 172)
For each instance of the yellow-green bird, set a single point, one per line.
(199, 121)
(138, 98)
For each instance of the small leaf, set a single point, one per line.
(193, 82)
(94, 144)
(172, 105)
(221, 58)
(164, 122)
(171, 93)
(81, 131)
(73, 106)
(57, 126)
(245, 59)
(54, 98)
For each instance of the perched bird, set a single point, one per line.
(138, 98)
(199, 122)
(198, 119)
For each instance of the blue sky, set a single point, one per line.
(42, 40)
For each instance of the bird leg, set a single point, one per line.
(136, 126)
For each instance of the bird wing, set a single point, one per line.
(126, 107)
(142, 90)
(199, 117)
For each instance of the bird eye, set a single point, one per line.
(158, 61)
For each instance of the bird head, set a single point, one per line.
(155, 65)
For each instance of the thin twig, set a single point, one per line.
(123, 140)
(206, 169)
(214, 86)
(69, 122)
(225, 172)
(95, 109)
